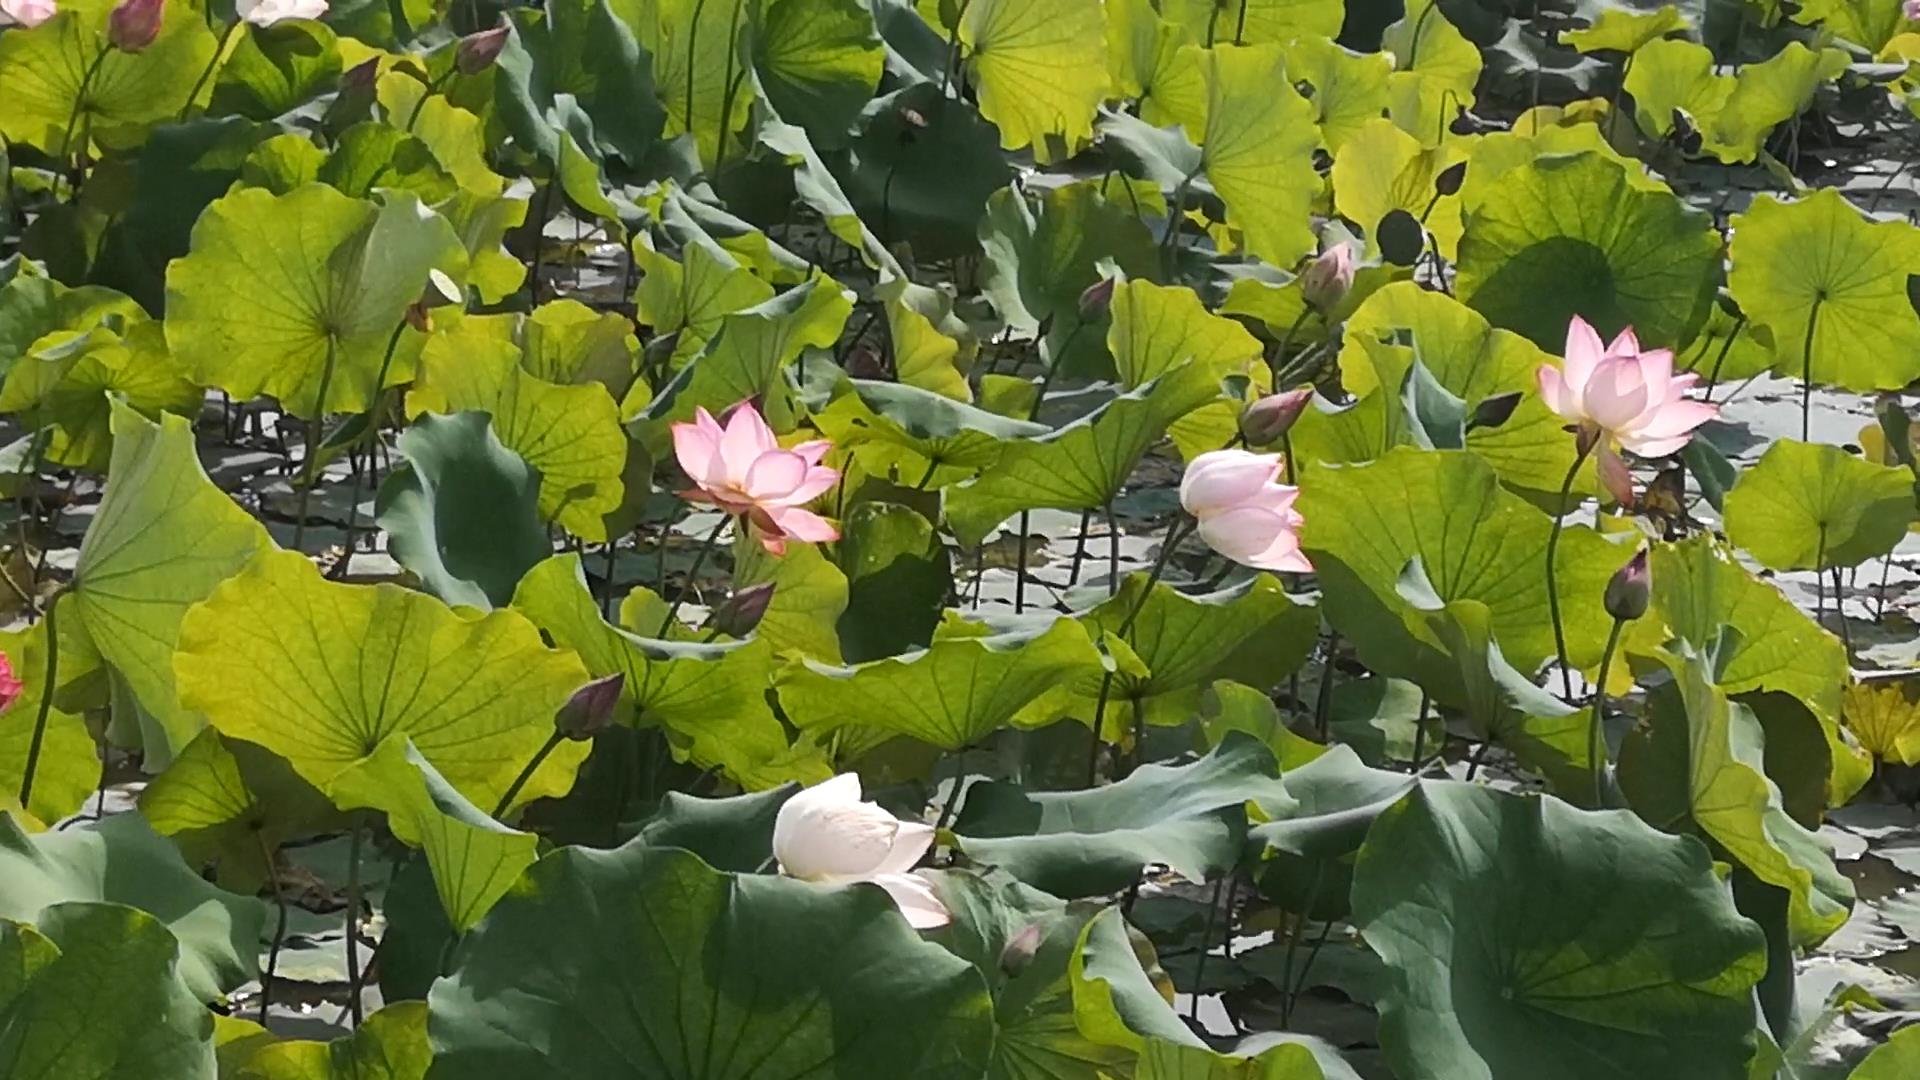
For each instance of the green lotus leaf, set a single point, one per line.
(1041, 71)
(698, 71)
(232, 802)
(1381, 169)
(1831, 288)
(282, 163)
(574, 86)
(94, 991)
(1365, 523)
(71, 395)
(42, 71)
(391, 1045)
(474, 859)
(686, 221)
(1805, 506)
(163, 538)
(1531, 451)
(1571, 235)
(923, 356)
(463, 513)
(1869, 24)
(1899, 1056)
(817, 63)
(957, 691)
(278, 291)
(1624, 29)
(748, 358)
(1272, 1059)
(33, 306)
(709, 698)
(1231, 706)
(1521, 934)
(570, 435)
(1697, 764)
(1252, 632)
(816, 185)
(1734, 113)
(809, 596)
(565, 341)
(275, 69)
(1348, 89)
(120, 860)
(1138, 42)
(353, 665)
(1191, 817)
(1257, 138)
(482, 222)
(899, 575)
(921, 168)
(1334, 801)
(68, 769)
(916, 437)
(1080, 466)
(372, 156)
(1435, 71)
(1251, 22)
(646, 959)
(456, 136)
(1156, 329)
(1675, 75)
(734, 833)
(1039, 261)
(693, 296)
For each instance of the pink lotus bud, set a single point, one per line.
(1326, 280)
(1272, 416)
(1095, 297)
(10, 685)
(477, 52)
(590, 710)
(133, 24)
(1243, 510)
(740, 613)
(1630, 588)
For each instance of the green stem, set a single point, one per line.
(1240, 26)
(1020, 566)
(1293, 942)
(1206, 946)
(1286, 342)
(1806, 369)
(51, 681)
(218, 52)
(1106, 680)
(513, 790)
(953, 48)
(1553, 574)
(433, 87)
(952, 802)
(313, 445)
(79, 103)
(727, 97)
(680, 594)
(1080, 551)
(353, 921)
(540, 232)
(368, 437)
(1419, 734)
(279, 928)
(1713, 377)
(1595, 753)
(1323, 700)
(1054, 363)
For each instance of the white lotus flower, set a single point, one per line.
(268, 12)
(827, 834)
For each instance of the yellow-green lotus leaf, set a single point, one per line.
(1622, 29)
(1382, 169)
(1435, 71)
(1346, 89)
(41, 71)
(1156, 329)
(1041, 70)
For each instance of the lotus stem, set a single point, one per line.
(1113, 551)
(370, 436)
(39, 735)
(1323, 699)
(279, 927)
(1080, 550)
(1286, 342)
(219, 51)
(1840, 614)
(1020, 566)
(1596, 748)
(313, 445)
(526, 773)
(1206, 946)
(700, 560)
(79, 103)
(1419, 734)
(1806, 370)
(1713, 377)
(953, 48)
(1553, 574)
(727, 97)
(1174, 536)
(353, 920)
(1293, 944)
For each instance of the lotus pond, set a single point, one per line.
(1015, 539)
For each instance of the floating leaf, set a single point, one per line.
(1805, 506)
(763, 972)
(1521, 934)
(350, 666)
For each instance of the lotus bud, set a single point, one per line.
(1326, 280)
(1494, 411)
(477, 52)
(1095, 297)
(740, 613)
(1271, 417)
(1021, 948)
(1630, 588)
(133, 24)
(590, 710)
(360, 77)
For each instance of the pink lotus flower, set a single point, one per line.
(1911, 9)
(1620, 393)
(10, 684)
(826, 834)
(1244, 511)
(742, 470)
(26, 13)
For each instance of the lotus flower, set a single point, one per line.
(26, 13)
(827, 834)
(1244, 511)
(1620, 393)
(268, 12)
(10, 685)
(742, 470)
(1911, 9)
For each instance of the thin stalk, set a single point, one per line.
(680, 595)
(1206, 947)
(1806, 370)
(353, 921)
(1419, 734)
(1713, 377)
(1053, 367)
(1080, 550)
(1553, 575)
(1323, 701)
(952, 802)
(1819, 577)
(80, 101)
(1613, 106)
(218, 52)
(526, 773)
(433, 87)
(1126, 624)
(1139, 757)
(1113, 552)
(1596, 753)
(313, 445)
(1840, 614)
(1880, 596)
(1293, 941)
(28, 477)
(540, 231)
(726, 98)
(953, 48)
(47, 688)
(1099, 716)
(1240, 25)
(1020, 567)
(370, 436)
(1286, 342)
(279, 926)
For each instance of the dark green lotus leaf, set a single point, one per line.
(121, 860)
(899, 575)
(272, 70)
(817, 63)
(1526, 938)
(94, 991)
(646, 960)
(1191, 817)
(573, 80)
(734, 833)
(922, 169)
(464, 513)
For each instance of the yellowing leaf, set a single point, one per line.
(1041, 70)
(1382, 169)
(1886, 720)
(1257, 147)
(1435, 71)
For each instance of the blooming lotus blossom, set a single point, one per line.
(26, 13)
(1621, 393)
(742, 470)
(826, 834)
(1244, 511)
(10, 684)
(1911, 9)
(268, 12)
